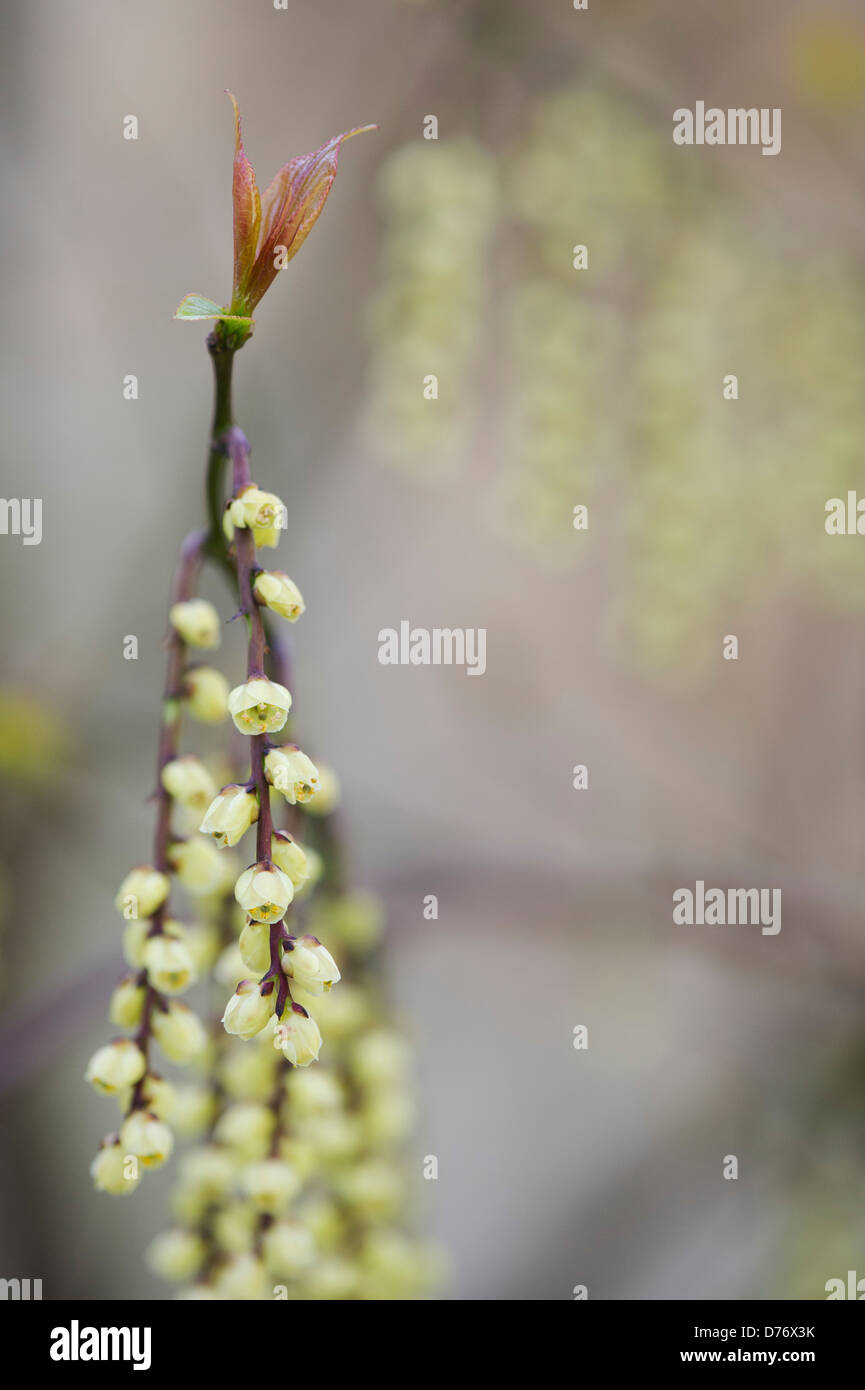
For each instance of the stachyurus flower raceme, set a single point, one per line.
(299, 1099)
(166, 954)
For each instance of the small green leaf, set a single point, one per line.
(197, 306)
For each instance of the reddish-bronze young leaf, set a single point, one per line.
(247, 218)
(283, 218)
(290, 206)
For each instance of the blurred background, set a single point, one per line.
(557, 1167)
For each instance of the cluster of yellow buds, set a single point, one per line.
(297, 1188)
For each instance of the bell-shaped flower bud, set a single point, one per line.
(147, 1137)
(248, 1010)
(230, 814)
(297, 1036)
(197, 622)
(179, 1032)
(292, 773)
(264, 892)
(276, 591)
(205, 691)
(309, 964)
(187, 780)
(116, 1065)
(260, 706)
(142, 892)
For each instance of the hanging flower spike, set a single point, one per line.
(269, 230)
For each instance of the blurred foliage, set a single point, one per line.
(614, 375)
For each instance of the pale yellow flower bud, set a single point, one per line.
(187, 780)
(201, 940)
(270, 1185)
(230, 815)
(309, 964)
(387, 1119)
(231, 967)
(314, 871)
(333, 1279)
(246, 1129)
(116, 1065)
(381, 1058)
(206, 693)
(264, 892)
(179, 1032)
(155, 1094)
(197, 622)
(275, 590)
(300, 1153)
(137, 934)
(248, 1072)
(262, 511)
(243, 1278)
(208, 1172)
(314, 1091)
(335, 1136)
(354, 920)
(176, 1254)
(322, 1216)
(127, 1003)
(147, 1137)
(248, 1010)
(142, 892)
(395, 1267)
(328, 793)
(260, 706)
(193, 1110)
(297, 1037)
(255, 946)
(288, 1248)
(292, 773)
(288, 855)
(373, 1188)
(234, 1227)
(168, 964)
(341, 1013)
(113, 1170)
(197, 865)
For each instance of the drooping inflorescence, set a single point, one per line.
(298, 1178)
